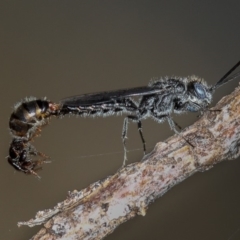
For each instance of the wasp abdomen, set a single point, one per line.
(25, 122)
(27, 115)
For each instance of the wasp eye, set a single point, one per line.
(198, 90)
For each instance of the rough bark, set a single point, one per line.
(96, 211)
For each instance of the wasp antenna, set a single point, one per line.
(225, 78)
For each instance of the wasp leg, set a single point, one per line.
(141, 135)
(173, 127)
(124, 135)
(176, 124)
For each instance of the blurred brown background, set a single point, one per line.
(62, 48)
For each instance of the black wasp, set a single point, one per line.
(158, 100)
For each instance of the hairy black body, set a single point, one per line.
(158, 100)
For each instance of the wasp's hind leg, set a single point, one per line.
(124, 135)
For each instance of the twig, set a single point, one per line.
(96, 211)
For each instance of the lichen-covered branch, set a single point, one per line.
(96, 211)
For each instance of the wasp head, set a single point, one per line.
(196, 97)
(199, 95)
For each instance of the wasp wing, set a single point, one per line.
(107, 97)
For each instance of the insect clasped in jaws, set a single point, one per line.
(158, 101)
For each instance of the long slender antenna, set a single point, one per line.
(225, 78)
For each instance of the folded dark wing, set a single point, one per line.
(110, 96)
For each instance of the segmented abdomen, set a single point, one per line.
(27, 115)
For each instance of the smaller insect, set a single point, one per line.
(158, 100)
